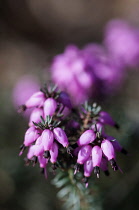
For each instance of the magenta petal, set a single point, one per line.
(47, 139)
(86, 138)
(96, 156)
(30, 136)
(88, 167)
(35, 100)
(60, 136)
(84, 154)
(35, 116)
(50, 106)
(54, 152)
(108, 149)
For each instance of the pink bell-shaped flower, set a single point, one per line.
(108, 149)
(84, 154)
(88, 167)
(43, 163)
(96, 156)
(86, 138)
(39, 150)
(35, 116)
(50, 106)
(60, 136)
(30, 136)
(65, 99)
(36, 99)
(105, 118)
(47, 139)
(54, 152)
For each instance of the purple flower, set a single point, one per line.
(88, 167)
(24, 88)
(30, 136)
(84, 154)
(54, 152)
(35, 116)
(86, 138)
(38, 150)
(108, 149)
(50, 106)
(69, 72)
(43, 163)
(104, 166)
(31, 151)
(105, 118)
(107, 72)
(64, 99)
(96, 156)
(60, 136)
(36, 100)
(96, 159)
(47, 139)
(121, 39)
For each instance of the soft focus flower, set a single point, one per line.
(24, 88)
(69, 72)
(121, 40)
(107, 72)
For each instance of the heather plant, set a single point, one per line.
(67, 130)
(71, 142)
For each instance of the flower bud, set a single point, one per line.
(104, 164)
(108, 149)
(96, 156)
(31, 151)
(43, 162)
(84, 154)
(47, 139)
(35, 116)
(36, 99)
(50, 106)
(60, 136)
(65, 100)
(88, 167)
(54, 153)
(105, 118)
(39, 140)
(39, 150)
(30, 136)
(86, 138)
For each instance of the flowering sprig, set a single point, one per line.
(75, 140)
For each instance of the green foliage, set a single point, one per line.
(73, 192)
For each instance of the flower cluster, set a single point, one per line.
(97, 69)
(121, 40)
(44, 136)
(74, 140)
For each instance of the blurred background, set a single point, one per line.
(31, 33)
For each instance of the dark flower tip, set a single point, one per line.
(69, 150)
(34, 160)
(54, 167)
(22, 108)
(113, 164)
(97, 171)
(46, 154)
